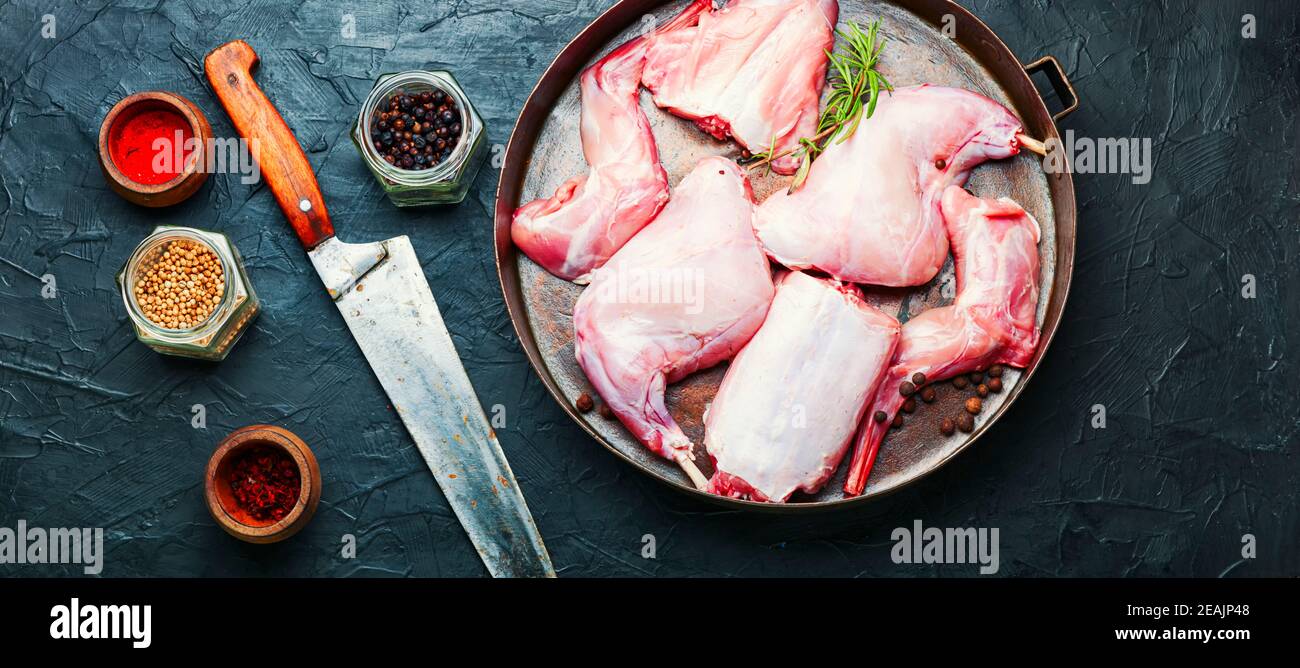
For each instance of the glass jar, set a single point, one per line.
(212, 338)
(445, 183)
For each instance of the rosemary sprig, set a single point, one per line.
(855, 89)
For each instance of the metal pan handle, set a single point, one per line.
(1060, 83)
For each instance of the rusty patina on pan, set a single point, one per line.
(545, 150)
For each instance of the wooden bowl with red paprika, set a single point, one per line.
(153, 148)
(263, 484)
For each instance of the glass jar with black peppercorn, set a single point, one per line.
(421, 137)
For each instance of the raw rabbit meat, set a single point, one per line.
(869, 210)
(591, 216)
(684, 294)
(991, 321)
(753, 71)
(790, 402)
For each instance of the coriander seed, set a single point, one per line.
(187, 293)
(181, 285)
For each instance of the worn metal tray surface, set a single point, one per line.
(545, 150)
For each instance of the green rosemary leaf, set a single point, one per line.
(855, 88)
(875, 92)
(801, 174)
(810, 146)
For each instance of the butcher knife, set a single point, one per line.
(385, 299)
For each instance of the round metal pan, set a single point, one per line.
(931, 41)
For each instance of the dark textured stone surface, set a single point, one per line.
(1198, 382)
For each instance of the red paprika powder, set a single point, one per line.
(265, 483)
(133, 145)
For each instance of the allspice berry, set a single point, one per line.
(982, 390)
(927, 395)
(880, 416)
(584, 403)
(995, 371)
(909, 406)
(907, 388)
(947, 427)
(966, 423)
(995, 385)
(974, 405)
(605, 411)
(960, 382)
(918, 379)
(898, 421)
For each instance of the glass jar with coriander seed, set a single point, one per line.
(421, 137)
(187, 293)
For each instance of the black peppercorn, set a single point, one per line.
(416, 130)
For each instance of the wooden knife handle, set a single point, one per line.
(284, 166)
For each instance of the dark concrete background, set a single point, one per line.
(1199, 383)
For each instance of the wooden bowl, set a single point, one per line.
(221, 502)
(182, 185)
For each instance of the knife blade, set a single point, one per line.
(384, 297)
